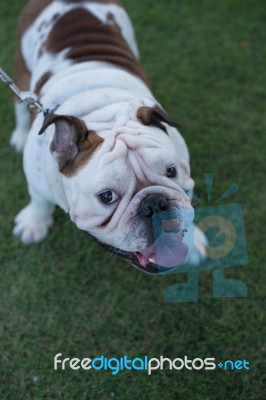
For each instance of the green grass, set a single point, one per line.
(206, 61)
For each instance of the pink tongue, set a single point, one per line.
(167, 251)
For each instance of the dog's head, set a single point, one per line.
(120, 183)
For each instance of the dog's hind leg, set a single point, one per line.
(22, 116)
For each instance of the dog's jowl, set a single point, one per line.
(107, 153)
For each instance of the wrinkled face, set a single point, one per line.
(132, 196)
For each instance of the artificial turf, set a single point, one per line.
(206, 62)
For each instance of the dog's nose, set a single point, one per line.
(154, 203)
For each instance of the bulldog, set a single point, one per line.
(105, 151)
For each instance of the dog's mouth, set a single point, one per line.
(167, 252)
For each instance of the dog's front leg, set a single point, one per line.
(33, 222)
(23, 122)
(197, 243)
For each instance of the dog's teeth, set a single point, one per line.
(152, 260)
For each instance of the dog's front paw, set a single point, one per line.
(197, 248)
(18, 140)
(31, 226)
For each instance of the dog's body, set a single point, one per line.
(110, 156)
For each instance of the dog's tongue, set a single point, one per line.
(167, 251)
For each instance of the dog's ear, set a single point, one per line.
(72, 143)
(155, 116)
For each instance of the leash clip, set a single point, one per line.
(30, 99)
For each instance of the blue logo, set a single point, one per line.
(234, 365)
(223, 227)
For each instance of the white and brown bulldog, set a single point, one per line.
(107, 154)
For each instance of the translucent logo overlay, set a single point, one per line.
(226, 247)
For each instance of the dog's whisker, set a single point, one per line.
(195, 202)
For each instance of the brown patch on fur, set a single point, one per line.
(86, 149)
(35, 7)
(41, 82)
(92, 40)
(21, 73)
(30, 13)
(73, 144)
(155, 116)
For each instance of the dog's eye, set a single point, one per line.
(108, 197)
(171, 172)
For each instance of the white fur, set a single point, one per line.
(36, 35)
(20, 134)
(107, 99)
(101, 78)
(33, 221)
